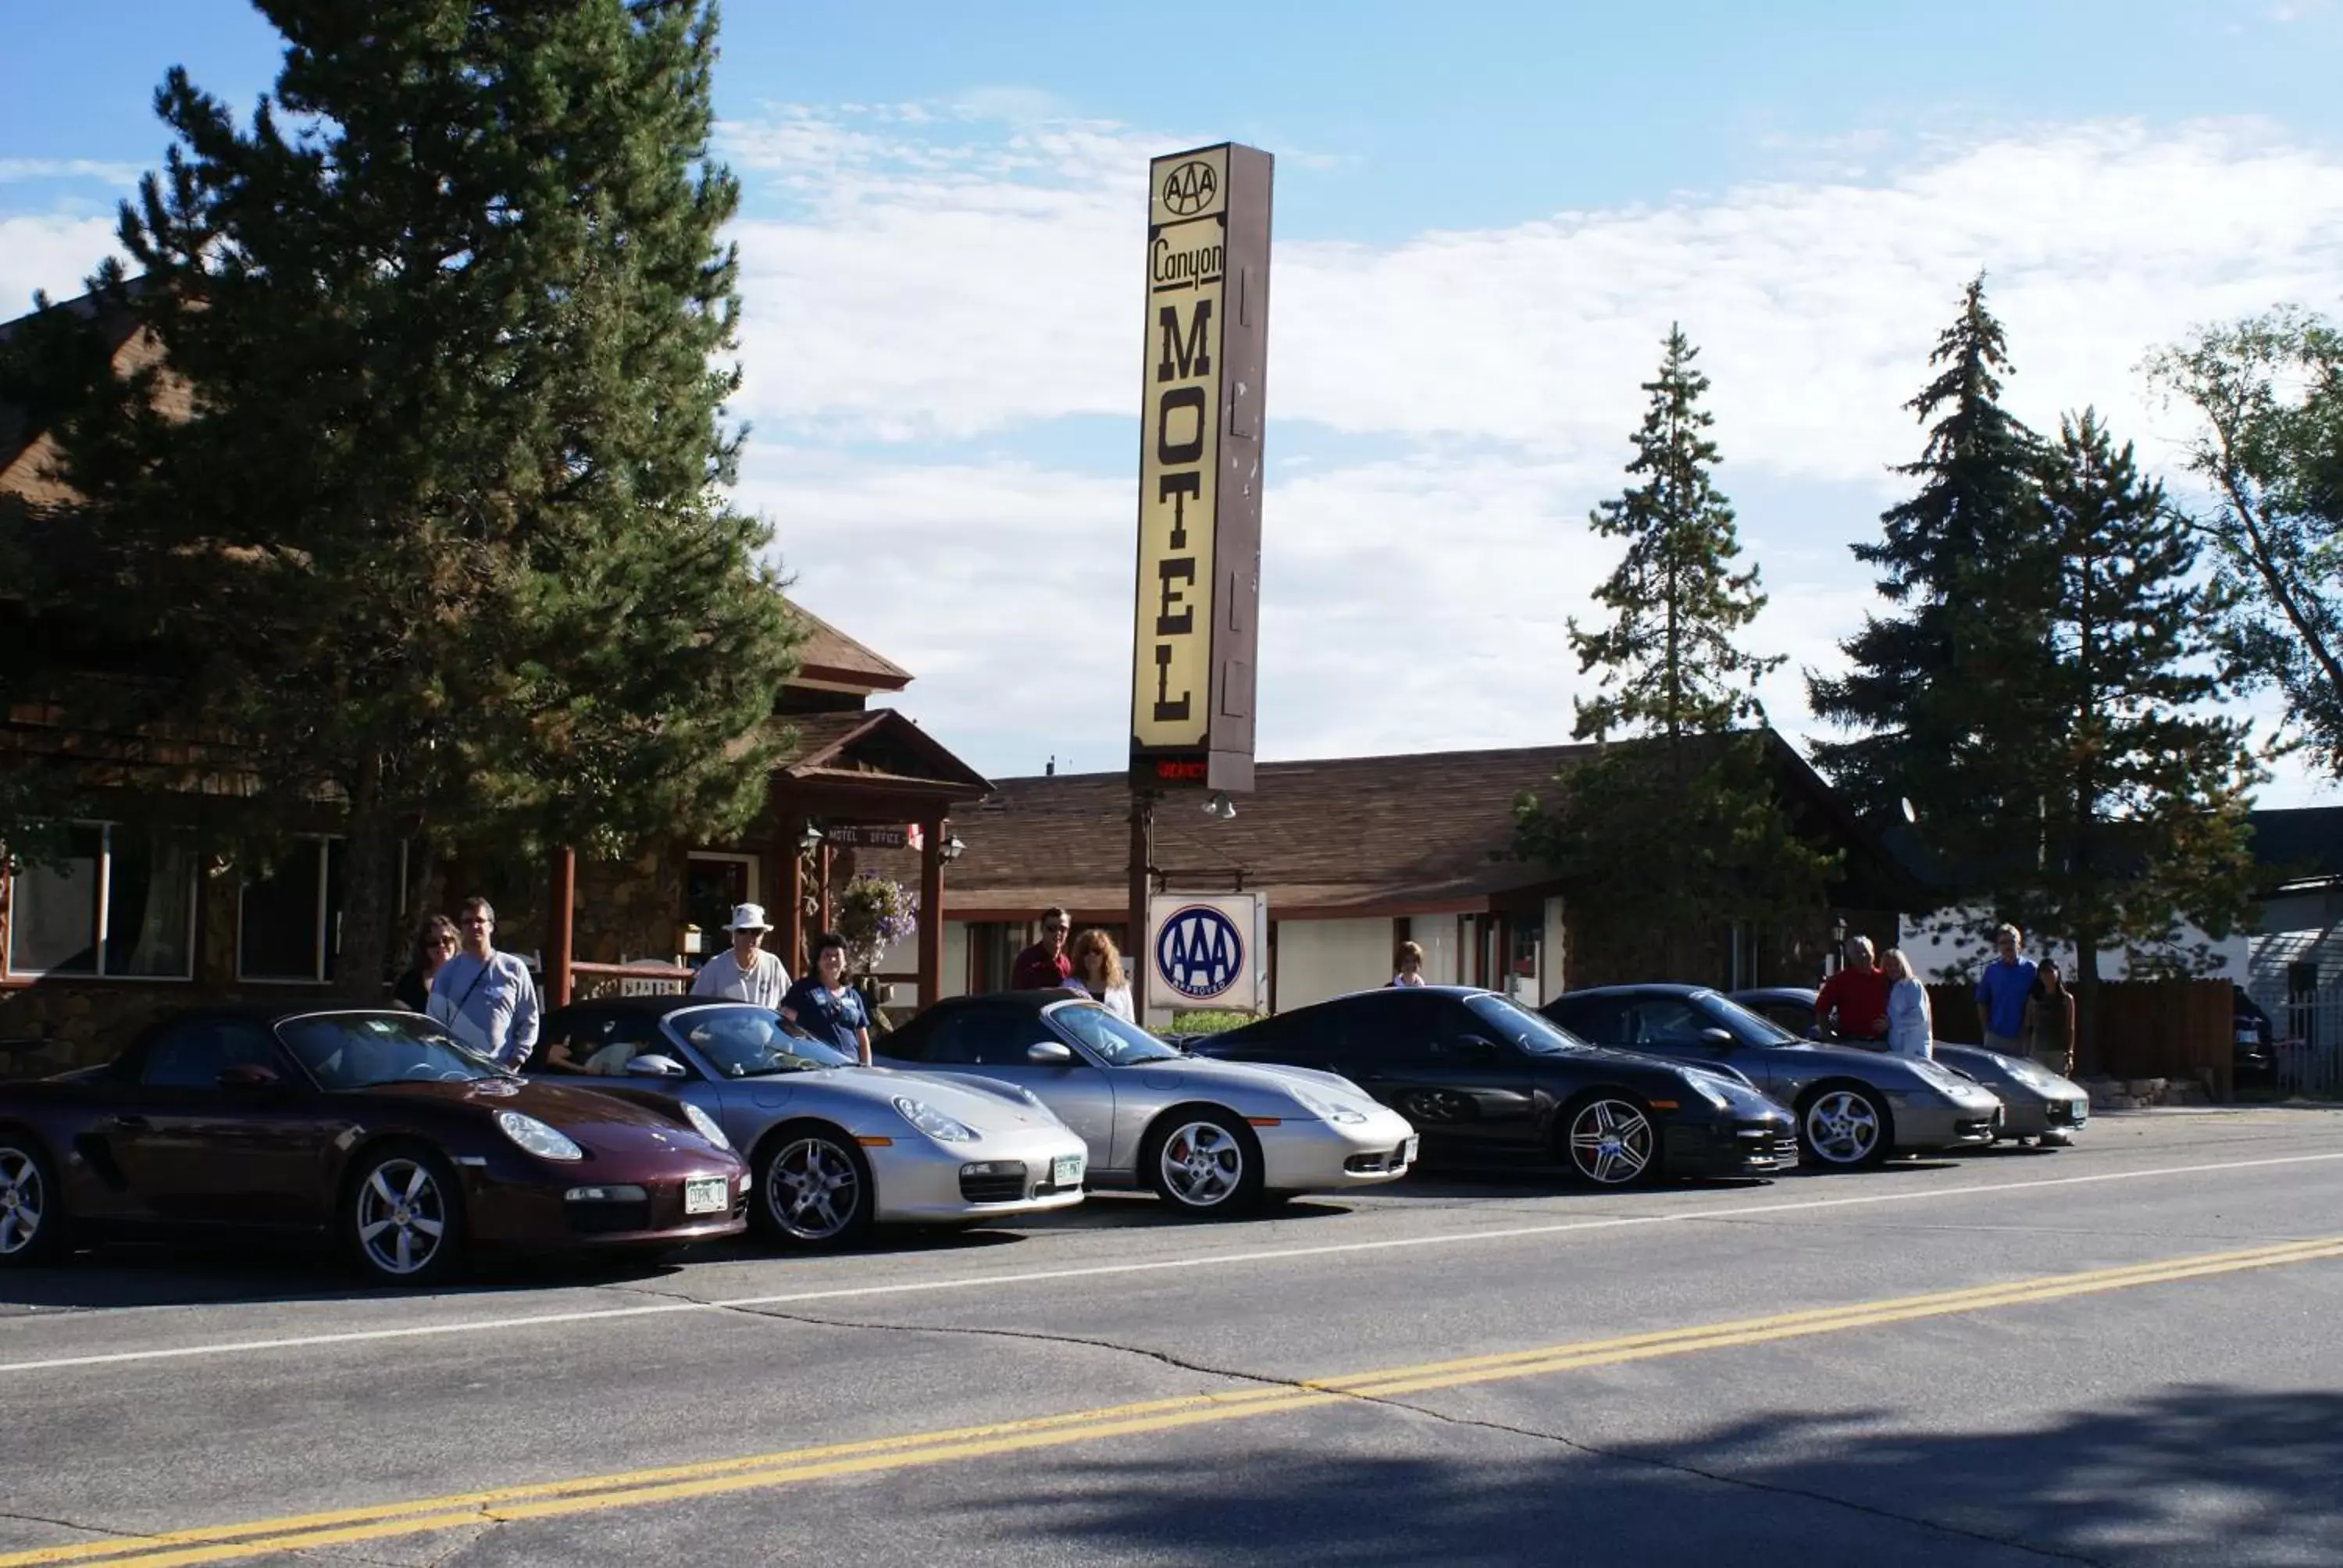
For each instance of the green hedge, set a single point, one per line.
(1208, 1021)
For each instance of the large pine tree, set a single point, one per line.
(2145, 788)
(1673, 827)
(441, 534)
(1946, 691)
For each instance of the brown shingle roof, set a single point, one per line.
(829, 655)
(1369, 835)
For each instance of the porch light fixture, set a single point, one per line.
(1838, 929)
(811, 840)
(951, 850)
(1220, 807)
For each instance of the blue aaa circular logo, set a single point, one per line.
(1189, 188)
(1199, 952)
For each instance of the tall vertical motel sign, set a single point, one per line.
(1200, 471)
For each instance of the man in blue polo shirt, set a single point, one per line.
(2004, 992)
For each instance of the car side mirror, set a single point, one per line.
(249, 1077)
(1048, 1053)
(654, 1067)
(1717, 1037)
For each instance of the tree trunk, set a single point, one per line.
(369, 874)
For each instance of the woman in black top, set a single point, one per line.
(434, 946)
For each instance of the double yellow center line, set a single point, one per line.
(638, 1488)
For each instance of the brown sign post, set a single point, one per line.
(1204, 373)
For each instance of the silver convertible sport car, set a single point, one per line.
(1209, 1137)
(833, 1147)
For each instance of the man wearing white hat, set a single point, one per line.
(747, 972)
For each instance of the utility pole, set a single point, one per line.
(1142, 846)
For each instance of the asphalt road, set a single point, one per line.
(2125, 1352)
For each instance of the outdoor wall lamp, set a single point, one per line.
(811, 840)
(687, 939)
(1220, 806)
(1838, 929)
(951, 850)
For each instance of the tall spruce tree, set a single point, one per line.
(2146, 788)
(429, 494)
(1947, 692)
(1673, 827)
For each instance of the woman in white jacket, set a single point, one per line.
(1911, 1026)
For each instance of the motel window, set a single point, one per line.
(118, 902)
(289, 915)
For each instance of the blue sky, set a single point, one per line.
(1487, 215)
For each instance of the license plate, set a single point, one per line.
(1407, 1151)
(706, 1195)
(1066, 1171)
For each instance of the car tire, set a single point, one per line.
(1609, 1141)
(1843, 1127)
(1204, 1161)
(402, 1215)
(32, 1203)
(813, 1188)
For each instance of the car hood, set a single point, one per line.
(601, 1123)
(1261, 1077)
(987, 1104)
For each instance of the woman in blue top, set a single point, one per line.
(823, 1007)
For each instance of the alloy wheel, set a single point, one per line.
(402, 1217)
(813, 1190)
(1611, 1142)
(1843, 1127)
(23, 1200)
(1203, 1164)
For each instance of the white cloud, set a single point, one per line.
(52, 252)
(932, 282)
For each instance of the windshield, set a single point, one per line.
(1524, 1028)
(751, 1042)
(1747, 1027)
(1117, 1043)
(359, 1052)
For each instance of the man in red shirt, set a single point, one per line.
(1044, 966)
(1857, 993)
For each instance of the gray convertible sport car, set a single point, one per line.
(2035, 1102)
(1855, 1108)
(834, 1147)
(1209, 1138)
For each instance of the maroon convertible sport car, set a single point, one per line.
(373, 1129)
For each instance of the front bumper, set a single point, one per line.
(2031, 1112)
(1729, 1146)
(1312, 1156)
(1000, 1176)
(1936, 1121)
(521, 1210)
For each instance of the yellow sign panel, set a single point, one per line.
(1187, 248)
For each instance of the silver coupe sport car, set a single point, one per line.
(1209, 1137)
(833, 1147)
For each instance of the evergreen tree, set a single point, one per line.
(1677, 828)
(2146, 792)
(430, 496)
(1947, 692)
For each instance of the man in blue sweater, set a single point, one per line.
(484, 997)
(2004, 993)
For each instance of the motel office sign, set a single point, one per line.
(1200, 470)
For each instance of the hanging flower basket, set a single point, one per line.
(874, 913)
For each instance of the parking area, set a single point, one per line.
(2120, 1353)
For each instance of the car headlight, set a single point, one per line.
(1712, 1092)
(1943, 1079)
(1327, 1110)
(2031, 1074)
(933, 1122)
(705, 1125)
(536, 1137)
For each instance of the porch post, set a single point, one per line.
(1142, 838)
(560, 911)
(824, 890)
(792, 885)
(931, 909)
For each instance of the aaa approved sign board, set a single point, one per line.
(1207, 951)
(1200, 469)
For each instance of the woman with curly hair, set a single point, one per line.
(1098, 971)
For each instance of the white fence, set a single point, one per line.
(2308, 1029)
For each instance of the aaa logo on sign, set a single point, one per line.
(1189, 188)
(1199, 952)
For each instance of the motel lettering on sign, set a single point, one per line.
(1200, 472)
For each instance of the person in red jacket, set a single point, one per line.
(1044, 966)
(1857, 994)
